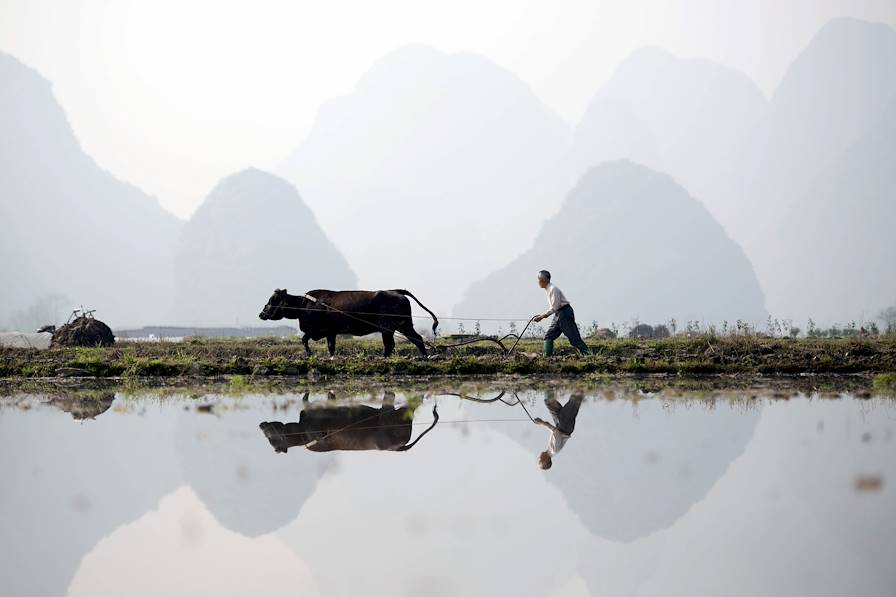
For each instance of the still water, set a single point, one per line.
(726, 492)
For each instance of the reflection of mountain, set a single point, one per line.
(243, 483)
(465, 512)
(628, 243)
(434, 160)
(77, 230)
(68, 484)
(629, 471)
(822, 464)
(177, 548)
(784, 520)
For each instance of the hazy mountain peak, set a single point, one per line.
(430, 146)
(684, 116)
(847, 58)
(61, 205)
(653, 59)
(11, 67)
(627, 243)
(832, 97)
(266, 190)
(411, 58)
(251, 234)
(853, 31)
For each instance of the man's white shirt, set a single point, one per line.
(556, 299)
(557, 441)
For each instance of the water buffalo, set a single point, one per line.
(355, 427)
(326, 313)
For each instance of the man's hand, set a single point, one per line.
(538, 318)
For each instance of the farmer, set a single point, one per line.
(564, 318)
(564, 424)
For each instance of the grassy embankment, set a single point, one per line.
(270, 357)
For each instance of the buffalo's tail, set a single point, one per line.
(435, 320)
(435, 419)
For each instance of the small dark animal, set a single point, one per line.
(326, 313)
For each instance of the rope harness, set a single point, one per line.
(435, 347)
(354, 426)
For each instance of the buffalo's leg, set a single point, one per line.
(331, 344)
(408, 331)
(388, 343)
(388, 401)
(305, 339)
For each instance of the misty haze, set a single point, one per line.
(444, 172)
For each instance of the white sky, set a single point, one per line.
(173, 95)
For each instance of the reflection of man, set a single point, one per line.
(354, 427)
(564, 424)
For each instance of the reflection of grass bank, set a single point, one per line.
(92, 395)
(270, 357)
(885, 382)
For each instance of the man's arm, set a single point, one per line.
(540, 421)
(552, 310)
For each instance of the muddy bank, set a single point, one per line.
(271, 357)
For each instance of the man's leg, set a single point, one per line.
(567, 323)
(554, 406)
(569, 412)
(552, 334)
(550, 400)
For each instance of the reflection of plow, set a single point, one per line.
(498, 398)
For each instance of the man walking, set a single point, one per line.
(564, 317)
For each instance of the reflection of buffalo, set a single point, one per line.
(326, 313)
(348, 428)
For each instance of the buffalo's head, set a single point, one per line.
(275, 307)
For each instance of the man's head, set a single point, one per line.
(544, 278)
(544, 460)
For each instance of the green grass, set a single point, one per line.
(682, 356)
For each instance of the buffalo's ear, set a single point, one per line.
(283, 291)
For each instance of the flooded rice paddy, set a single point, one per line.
(359, 491)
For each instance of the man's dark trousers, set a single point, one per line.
(564, 415)
(564, 322)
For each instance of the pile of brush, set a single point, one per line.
(83, 331)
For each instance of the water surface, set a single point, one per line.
(726, 492)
